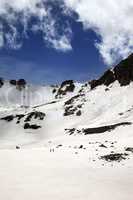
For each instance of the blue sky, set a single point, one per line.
(38, 63)
(52, 42)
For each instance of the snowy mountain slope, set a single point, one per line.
(69, 141)
(78, 109)
(10, 95)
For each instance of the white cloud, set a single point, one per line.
(112, 20)
(16, 13)
(50, 29)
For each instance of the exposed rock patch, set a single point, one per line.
(8, 118)
(79, 113)
(102, 145)
(130, 149)
(123, 73)
(35, 115)
(72, 100)
(1, 82)
(13, 82)
(103, 129)
(66, 86)
(17, 147)
(70, 131)
(71, 107)
(20, 84)
(31, 126)
(107, 78)
(114, 157)
(97, 130)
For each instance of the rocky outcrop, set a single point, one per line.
(71, 101)
(36, 115)
(31, 126)
(71, 108)
(114, 157)
(8, 118)
(1, 82)
(130, 149)
(123, 73)
(106, 79)
(13, 82)
(28, 117)
(66, 86)
(21, 83)
(103, 129)
(97, 130)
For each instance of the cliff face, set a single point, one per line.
(123, 73)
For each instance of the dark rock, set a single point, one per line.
(79, 106)
(13, 82)
(112, 146)
(54, 91)
(20, 116)
(114, 157)
(17, 147)
(71, 131)
(26, 126)
(36, 115)
(71, 108)
(69, 111)
(32, 126)
(21, 83)
(107, 78)
(67, 82)
(112, 152)
(60, 145)
(70, 101)
(94, 84)
(103, 129)
(78, 113)
(123, 73)
(8, 118)
(129, 149)
(121, 113)
(1, 82)
(78, 131)
(102, 145)
(66, 86)
(112, 143)
(11, 117)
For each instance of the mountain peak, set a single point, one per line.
(123, 73)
